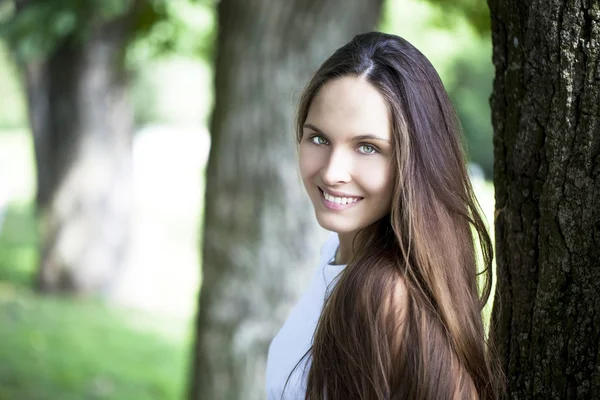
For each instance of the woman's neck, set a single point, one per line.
(344, 253)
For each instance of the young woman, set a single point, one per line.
(394, 309)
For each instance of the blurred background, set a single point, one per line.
(100, 263)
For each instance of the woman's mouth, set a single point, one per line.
(336, 202)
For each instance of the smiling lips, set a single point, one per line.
(338, 202)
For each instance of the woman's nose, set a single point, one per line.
(337, 169)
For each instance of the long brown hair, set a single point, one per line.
(404, 318)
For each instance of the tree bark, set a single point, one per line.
(546, 117)
(260, 235)
(82, 126)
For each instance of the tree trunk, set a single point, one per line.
(260, 235)
(546, 117)
(82, 127)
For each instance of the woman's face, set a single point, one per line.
(346, 155)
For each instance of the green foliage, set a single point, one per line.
(182, 27)
(476, 12)
(162, 26)
(164, 30)
(37, 27)
(173, 59)
(461, 56)
(470, 90)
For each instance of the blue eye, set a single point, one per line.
(319, 140)
(367, 149)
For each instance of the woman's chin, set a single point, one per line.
(332, 225)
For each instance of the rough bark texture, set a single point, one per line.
(546, 117)
(82, 126)
(260, 235)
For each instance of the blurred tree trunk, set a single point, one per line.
(546, 117)
(82, 127)
(260, 236)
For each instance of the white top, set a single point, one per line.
(295, 336)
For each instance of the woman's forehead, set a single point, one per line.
(350, 105)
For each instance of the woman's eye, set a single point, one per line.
(367, 149)
(319, 140)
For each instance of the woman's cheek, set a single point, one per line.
(311, 158)
(308, 161)
(375, 172)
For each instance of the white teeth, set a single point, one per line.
(340, 200)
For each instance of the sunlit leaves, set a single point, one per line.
(35, 27)
(476, 12)
(179, 26)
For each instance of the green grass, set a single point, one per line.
(57, 348)
(65, 348)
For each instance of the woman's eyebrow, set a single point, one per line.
(355, 138)
(370, 136)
